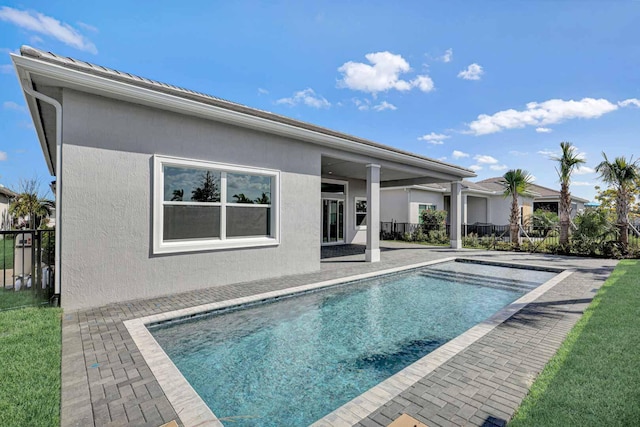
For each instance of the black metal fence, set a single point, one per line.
(27, 260)
(473, 235)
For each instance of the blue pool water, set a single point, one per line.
(290, 362)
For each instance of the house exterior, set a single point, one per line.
(543, 197)
(199, 191)
(483, 202)
(6, 196)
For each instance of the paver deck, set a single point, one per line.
(106, 382)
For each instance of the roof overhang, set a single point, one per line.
(29, 68)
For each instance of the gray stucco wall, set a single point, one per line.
(421, 197)
(476, 209)
(394, 205)
(107, 202)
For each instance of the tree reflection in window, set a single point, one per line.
(209, 191)
(241, 198)
(263, 200)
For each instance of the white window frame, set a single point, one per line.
(356, 213)
(223, 242)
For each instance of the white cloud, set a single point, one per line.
(3, 156)
(434, 138)
(36, 40)
(384, 105)
(629, 102)
(487, 160)
(443, 158)
(307, 97)
(473, 72)
(582, 183)
(498, 167)
(6, 69)
(382, 75)
(10, 105)
(424, 83)
(547, 152)
(88, 27)
(459, 154)
(540, 114)
(43, 24)
(475, 168)
(448, 56)
(518, 153)
(262, 91)
(544, 130)
(363, 105)
(583, 170)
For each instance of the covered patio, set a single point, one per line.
(350, 194)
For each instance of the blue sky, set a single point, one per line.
(489, 85)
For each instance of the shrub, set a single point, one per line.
(433, 220)
(418, 235)
(471, 241)
(594, 234)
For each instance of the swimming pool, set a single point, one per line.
(292, 361)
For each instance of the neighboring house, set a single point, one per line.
(163, 190)
(6, 196)
(481, 203)
(543, 198)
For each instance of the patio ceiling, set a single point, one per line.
(390, 174)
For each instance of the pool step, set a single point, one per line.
(476, 279)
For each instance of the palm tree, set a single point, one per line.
(568, 161)
(177, 195)
(29, 204)
(516, 183)
(621, 174)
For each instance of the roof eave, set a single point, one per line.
(129, 92)
(24, 79)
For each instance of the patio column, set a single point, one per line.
(455, 220)
(372, 253)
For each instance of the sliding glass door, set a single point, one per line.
(332, 221)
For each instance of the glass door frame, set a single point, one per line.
(339, 197)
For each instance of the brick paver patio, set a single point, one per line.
(106, 382)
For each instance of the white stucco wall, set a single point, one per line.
(107, 202)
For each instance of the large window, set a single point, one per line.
(203, 206)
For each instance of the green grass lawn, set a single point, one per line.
(12, 299)
(30, 343)
(6, 253)
(594, 379)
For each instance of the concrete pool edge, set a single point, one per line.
(193, 411)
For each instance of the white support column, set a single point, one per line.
(372, 254)
(455, 219)
(465, 208)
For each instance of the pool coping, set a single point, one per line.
(193, 411)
